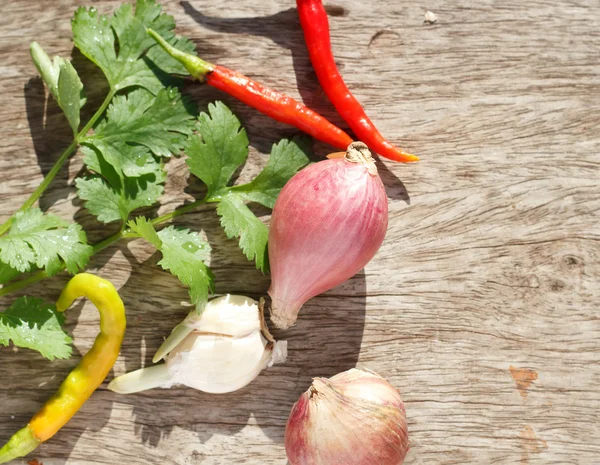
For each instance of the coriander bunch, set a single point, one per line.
(141, 123)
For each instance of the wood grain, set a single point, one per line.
(492, 259)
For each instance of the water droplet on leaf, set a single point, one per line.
(190, 247)
(140, 159)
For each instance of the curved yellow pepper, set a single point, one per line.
(87, 376)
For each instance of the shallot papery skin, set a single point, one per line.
(353, 418)
(327, 224)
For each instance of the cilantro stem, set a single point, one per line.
(97, 115)
(107, 242)
(50, 176)
(180, 211)
(44, 184)
(34, 278)
(127, 234)
(37, 193)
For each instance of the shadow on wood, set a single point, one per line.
(50, 131)
(50, 134)
(326, 340)
(394, 187)
(283, 28)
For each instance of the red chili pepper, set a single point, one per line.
(315, 24)
(274, 104)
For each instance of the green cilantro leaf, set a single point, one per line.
(214, 155)
(184, 253)
(219, 148)
(112, 198)
(42, 240)
(118, 45)
(138, 125)
(62, 81)
(103, 202)
(287, 158)
(32, 324)
(109, 205)
(145, 229)
(239, 221)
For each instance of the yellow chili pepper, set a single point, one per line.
(87, 376)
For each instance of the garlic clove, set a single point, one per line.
(141, 380)
(221, 350)
(179, 333)
(279, 354)
(218, 364)
(233, 315)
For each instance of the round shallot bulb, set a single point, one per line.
(328, 222)
(353, 418)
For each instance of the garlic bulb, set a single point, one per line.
(327, 224)
(221, 350)
(353, 418)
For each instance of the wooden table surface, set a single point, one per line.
(482, 305)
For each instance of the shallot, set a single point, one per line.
(328, 222)
(353, 418)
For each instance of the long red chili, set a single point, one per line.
(315, 24)
(274, 104)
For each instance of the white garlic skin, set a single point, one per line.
(218, 364)
(353, 418)
(227, 348)
(233, 315)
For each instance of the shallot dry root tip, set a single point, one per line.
(281, 319)
(358, 152)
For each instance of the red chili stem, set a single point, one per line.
(315, 24)
(274, 104)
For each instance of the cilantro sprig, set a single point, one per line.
(218, 150)
(142, 122)
(43, 240)
(120, 47)
(184, 255)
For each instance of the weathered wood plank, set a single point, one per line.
(492, 258)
